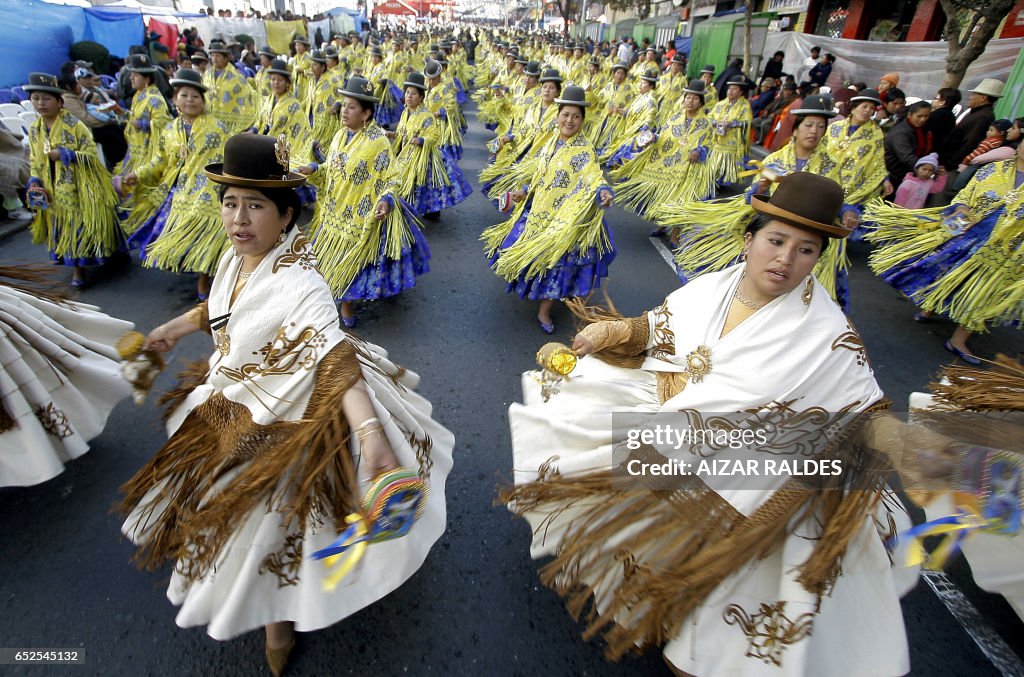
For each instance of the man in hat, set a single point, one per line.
(768, 92)
(230, 97)
(973, 125)
(780, 132)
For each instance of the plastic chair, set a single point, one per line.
(27, 105)
(7, 96)
(10, 110)
(14, 126)
(19, 93)
(28, 117)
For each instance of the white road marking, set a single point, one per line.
(664, 252)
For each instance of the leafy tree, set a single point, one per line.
(970, 24)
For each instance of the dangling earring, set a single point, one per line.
(282, 237)
(743, 257)
(808, 291)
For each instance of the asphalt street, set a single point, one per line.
(477, 606)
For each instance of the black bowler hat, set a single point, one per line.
(871, 95)
(280, 67)
(708, 69)
(140, 63)
(432, 69)
(318, 56)
(622, 65)
(218, 47)
(742, 84)
(43, 82)
(805, 200)
(650, 76)
(255, 161)
(188, 78)
(678, 58)
(696, 86)
(376, 52)
(199, 55)
(573, 96)
(819, 104)
(302, 39)
(359, 88)
(266, 51)
(331, 53)
(594, 61)
(550, 75)
(532, 69)
(416, 80)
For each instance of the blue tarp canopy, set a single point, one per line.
(36, 35)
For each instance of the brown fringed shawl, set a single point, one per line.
(644, 557)
(188, 513)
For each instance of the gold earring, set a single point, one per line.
(743, 256)
(808, 291)
(282, 237)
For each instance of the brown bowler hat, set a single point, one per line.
(255, 161)
(807, 201)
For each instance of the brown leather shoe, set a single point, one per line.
(277, 659)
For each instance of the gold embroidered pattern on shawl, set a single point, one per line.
(54, 421)
(285, 563)
(300, 253)
(664, 337)
(698, 363)
(769, 631)
(851, 340)
(282, 355)
(670, 384)
(422, 446)
(784, 430)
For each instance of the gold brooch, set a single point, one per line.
(281, 151)
(222, 341)
(183, 151)
(698, 363)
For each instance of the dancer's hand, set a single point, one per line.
(604, 199)
(377, 455)
(518, 196)
(382, 210)
(581, 345)
(850, 219)
(887, 188)
(160, 340)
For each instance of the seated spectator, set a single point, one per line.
(887, 82)
(769, 91)
(843, 95)
(14, 173)
(819, 74)
(941, 124)
(994, 138)
(809, 63)
(773, 69)
(771, 114)
(102, 123)
(780, 134)
(907, 141)
(893, 109)
(927, 179)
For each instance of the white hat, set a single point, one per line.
(989, 87)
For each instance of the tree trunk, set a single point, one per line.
(748, 17)
(964, 50)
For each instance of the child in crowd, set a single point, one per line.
(995, 138)
(927, 177)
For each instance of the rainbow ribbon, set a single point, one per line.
(956, 529)
(391, 506)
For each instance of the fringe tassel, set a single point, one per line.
(190, 242)
(1000, 388)
(35, 279)
(301, 469)
(643, 560)
(904, 234)
(711, 233)
(545, 242)
(378, 239)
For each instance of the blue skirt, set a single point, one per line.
(390, 114)
(622, 155)
(915, 275)
(460, 92)
(149, 231)
(427, 199)
(389, 277)
(576, 274)
(307, 194)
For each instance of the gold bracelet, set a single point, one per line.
(368, 422)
